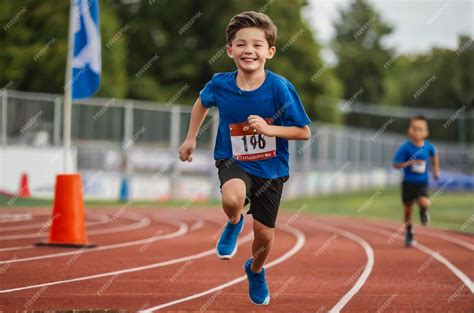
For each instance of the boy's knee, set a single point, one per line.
(424, 202)
(233, 200)
(264, 234)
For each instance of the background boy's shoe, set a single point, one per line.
(424, 216)
(227, 244)
(258, 289)
(409, 241)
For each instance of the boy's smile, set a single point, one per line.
(250, 49)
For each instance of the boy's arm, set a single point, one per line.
(198, 115)
(435, 160)
(287, 132)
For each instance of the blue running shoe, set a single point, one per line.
(227, 243)
(258, 289)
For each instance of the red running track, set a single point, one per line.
(156, 259)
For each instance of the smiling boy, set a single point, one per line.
(259, 111)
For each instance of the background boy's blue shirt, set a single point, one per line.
(275, 98)
(408, 151)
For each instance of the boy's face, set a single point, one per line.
(418, 130)
(250, 49)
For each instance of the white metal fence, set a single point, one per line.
(35, 119)
(130, 136)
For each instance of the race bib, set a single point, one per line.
(419, 167)
(247, 145)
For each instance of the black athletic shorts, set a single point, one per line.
(411, 191)
(264, 194)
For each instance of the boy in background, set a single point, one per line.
(412, 157)
(259, 111)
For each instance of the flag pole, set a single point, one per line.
(68, 92)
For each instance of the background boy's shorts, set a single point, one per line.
(264, 194)
(411, 191)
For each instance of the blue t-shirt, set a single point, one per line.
(417, 172)
(276, 98)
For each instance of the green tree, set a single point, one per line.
(361, 56)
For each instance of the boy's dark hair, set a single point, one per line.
(252, 19)
(418, 118)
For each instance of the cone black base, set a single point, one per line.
(66, 245)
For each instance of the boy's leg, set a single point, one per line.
(408, 207)
(424, 203)
(233, 199)
(262, 244)
(264, 203)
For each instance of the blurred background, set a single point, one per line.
(362, 69)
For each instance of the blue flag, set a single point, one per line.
(86, 63)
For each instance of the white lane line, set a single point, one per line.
(456, 271)
(102, 219)
(17, 248)
(446, 237)
(99, 219)
(15, 217)
(300, 239)
(466, 280)
(183, 229)
(369, 252)
(243, 240)
(141, 222)
(198, 224)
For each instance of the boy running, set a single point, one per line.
(259, 111)
(412, 157)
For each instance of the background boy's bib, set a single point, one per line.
(418, 167)
(247, 145)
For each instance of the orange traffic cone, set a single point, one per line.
(24, 191)
(68, 227)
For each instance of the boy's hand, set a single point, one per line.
(436, 175)
(259, 124)
(186, 149)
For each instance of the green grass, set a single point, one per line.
(449, 210)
